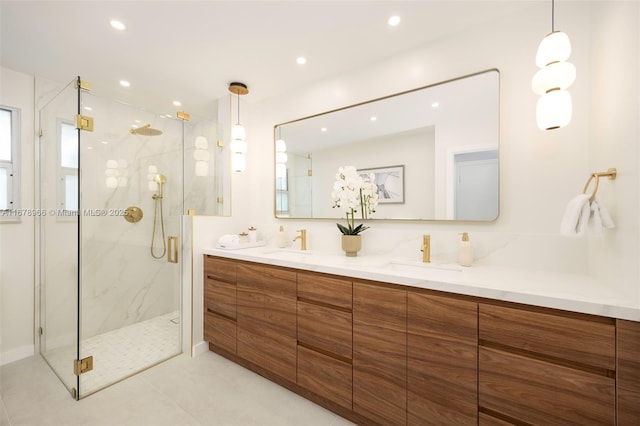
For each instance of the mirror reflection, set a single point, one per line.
(434, 151)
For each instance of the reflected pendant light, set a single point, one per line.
(555, 75)
(281, 156)
(238, 143)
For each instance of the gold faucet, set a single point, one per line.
(303, 238)
(426, 248)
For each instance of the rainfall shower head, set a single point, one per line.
(146, 130)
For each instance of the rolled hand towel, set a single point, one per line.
(229, 240)
(576, 216)
(601, 217)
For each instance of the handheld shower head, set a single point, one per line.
(160, 179)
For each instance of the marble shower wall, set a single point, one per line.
(121, 282)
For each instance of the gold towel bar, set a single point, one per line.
(611, 174)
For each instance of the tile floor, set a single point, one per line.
(206, 390)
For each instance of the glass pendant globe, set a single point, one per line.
(281, 146)
(558, 75)
(238, 133)
(554, 47)
(202, 168)
(554, 110)
(238, 146)
(281, 170)
(281, 157)
(238, 162)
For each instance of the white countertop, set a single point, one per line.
(571, 292)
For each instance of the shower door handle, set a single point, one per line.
(172, 249)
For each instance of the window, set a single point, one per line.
(68, 167)
(9, 157)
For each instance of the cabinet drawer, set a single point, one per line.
(220, 331)
(220, 297)
(629, 355)
(325, 328)
(280, 283)
(325, 376)
(569, 338)
(539, 392)
(319, 288)
(280, 356)
(628, 407)
(219, 269)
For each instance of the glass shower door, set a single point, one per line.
(59, 229)
(131, 185)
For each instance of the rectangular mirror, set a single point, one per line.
(434, 150)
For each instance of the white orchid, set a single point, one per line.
(352, 191)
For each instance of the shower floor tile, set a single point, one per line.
(120, 353)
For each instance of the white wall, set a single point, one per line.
(17, 239)
(539, 171)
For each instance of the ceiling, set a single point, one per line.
(191, 50)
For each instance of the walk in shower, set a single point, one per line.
(111, 203)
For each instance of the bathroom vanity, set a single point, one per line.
(385, 344)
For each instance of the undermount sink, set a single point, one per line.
(423, 270)
(288, 254)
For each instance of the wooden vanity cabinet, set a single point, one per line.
(442, 344)
(325, 336)
(628, 372)
(220, 303)
(543, 366)
(380, 353)
(266, 318)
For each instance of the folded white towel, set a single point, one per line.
(229, 240)
(601, 218)
(576, 216)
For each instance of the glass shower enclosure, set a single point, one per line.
(110, 205)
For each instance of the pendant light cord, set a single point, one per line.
(238, 94)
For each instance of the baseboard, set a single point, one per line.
(199, 348)
(16, 354)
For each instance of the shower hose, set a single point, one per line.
(158, 205)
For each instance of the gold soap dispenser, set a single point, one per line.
(465, 251)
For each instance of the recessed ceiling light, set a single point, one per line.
(118, 25)
(125, 83)
(177, 103)
(137, 121)
(134, 126)
(301, 60)
(323, 129)
(168, 115)
(373, 118)
(105, 142)
(89, 147)
(88, 108)
(394, 20)
(435, 105)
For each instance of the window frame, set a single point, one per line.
(13, 167)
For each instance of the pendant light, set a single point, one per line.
(281, 155)
(552, 80)
(238, 143)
